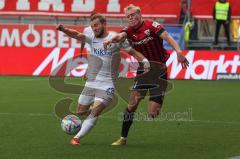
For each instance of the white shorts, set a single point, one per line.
(97, 91)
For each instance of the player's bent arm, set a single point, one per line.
(167, 37)
(181, 58)
(136, 54)
(116, 39)
(120, 37)
(140, 58)
(72, 33)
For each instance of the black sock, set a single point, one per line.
(127, 122)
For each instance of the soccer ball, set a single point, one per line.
(71, 124)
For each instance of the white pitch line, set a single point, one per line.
(37, 79)
(24, 79)
(26, 114)
(216, 122)
(195, 121)
(119, 118)
(236, 157)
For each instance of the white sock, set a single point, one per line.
(124, 138)
(87, 125)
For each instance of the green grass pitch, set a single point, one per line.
(30, 130)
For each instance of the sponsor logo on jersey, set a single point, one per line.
(147, 32)
(102, 52)
(144, 41)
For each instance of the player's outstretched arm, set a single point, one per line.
(140, 58)
(181, 58)
(71, 32)
(116, 39)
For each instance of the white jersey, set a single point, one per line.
(102, 70)
(103, 63)
(88, 32)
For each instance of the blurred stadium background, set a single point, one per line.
(207, 92)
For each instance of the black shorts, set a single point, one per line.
(155, 82)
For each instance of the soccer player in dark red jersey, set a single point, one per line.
(146, 36)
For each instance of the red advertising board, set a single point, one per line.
(41, 51)
(43, 36)
(81, 8)
(42, 61)
(205, 65)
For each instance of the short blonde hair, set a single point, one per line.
(131, 6)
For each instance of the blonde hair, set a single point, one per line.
(131, 6)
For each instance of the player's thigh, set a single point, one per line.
(138, 93)
(82, 108)
(157, 92)
(155, 103)
(87, 96)
(105, 94)
(103, 98)
(85, 100)
(100, 103)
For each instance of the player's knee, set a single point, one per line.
(82, 110)
(154, 110)
(153, 114)
(133, 103)
(95, 114)
(98, 108)
(80, 113)
(132, 106)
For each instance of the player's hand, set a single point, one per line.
(146, 65)
(184, 62)
(60, 27)
(107, 43)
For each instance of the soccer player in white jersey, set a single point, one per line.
(101, 73)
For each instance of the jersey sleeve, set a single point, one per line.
(88, 31)
(126, 30)
(157, 28)
(125, 46)
(88, 39)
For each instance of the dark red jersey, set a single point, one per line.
(146, 39)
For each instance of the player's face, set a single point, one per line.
(134, 18)
(98, 27)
